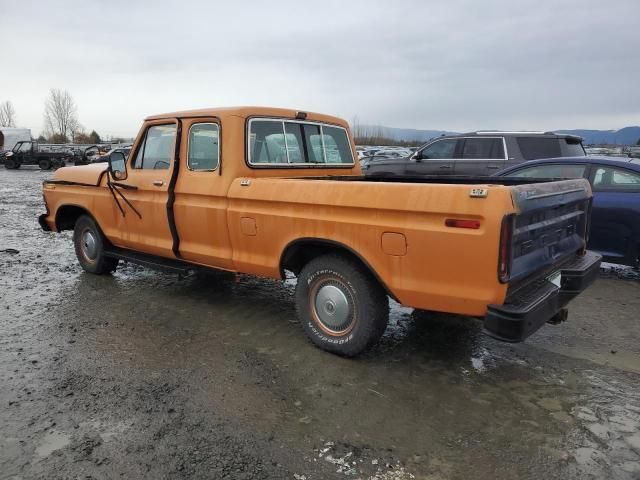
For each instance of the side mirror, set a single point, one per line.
(417, 157)
(118, 166)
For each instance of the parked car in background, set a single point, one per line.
(478, 153)
(615, 213)
(370, 154)
(32, 153)
(124, 149)
(608, 151)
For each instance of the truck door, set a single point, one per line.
(200, 205)
(145, 225)
(480, 156)
(435, 158)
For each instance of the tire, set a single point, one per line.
(89, 244)
(45, 164)
(343, 309)
(10, 164)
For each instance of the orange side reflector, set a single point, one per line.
(462, 223)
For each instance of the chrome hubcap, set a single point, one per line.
(89, 246)
(332, 308)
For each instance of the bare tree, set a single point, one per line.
(60, 114)
(7, 114)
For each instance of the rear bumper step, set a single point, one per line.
(541, 301)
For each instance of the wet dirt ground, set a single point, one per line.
(148, 375)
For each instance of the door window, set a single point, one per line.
(551, 171)
(483, 148)
(204, 151)
(616, 179)
(156, 150)
(440, 149)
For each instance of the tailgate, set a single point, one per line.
(550, 224)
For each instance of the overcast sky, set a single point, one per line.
(453, 65)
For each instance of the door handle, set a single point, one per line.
(158, 183)
(493, 167)
(445, 166)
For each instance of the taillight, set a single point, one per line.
(462, 223)
(587, 224)
(504, 257)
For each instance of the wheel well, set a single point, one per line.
(67, 215)
(300, 252)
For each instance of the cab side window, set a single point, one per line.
(440, 149)
(156, 150)
(204, 151)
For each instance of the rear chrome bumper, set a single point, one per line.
(540, 301)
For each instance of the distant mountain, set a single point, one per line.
(624, 136)
(404, 134)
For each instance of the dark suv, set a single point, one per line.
(478, 153)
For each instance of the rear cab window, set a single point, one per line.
(277, 142)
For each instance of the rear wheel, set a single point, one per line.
(342, 308)
(89, 245)
(44, 164)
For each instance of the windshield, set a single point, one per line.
(24, 147)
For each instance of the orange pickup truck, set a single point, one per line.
(263, 191)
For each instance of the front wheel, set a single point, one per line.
(11, 164)
(342, 308)
(89, 245)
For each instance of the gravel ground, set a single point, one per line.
(150, 375)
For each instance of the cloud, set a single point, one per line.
(455, 65)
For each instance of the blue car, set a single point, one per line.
(615, 214)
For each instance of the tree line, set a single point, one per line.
(375, 135)
(61, 124)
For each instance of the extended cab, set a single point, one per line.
(263, 191)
